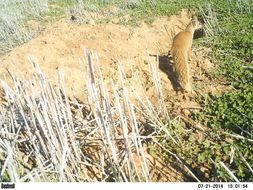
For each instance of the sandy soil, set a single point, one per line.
(62, 47)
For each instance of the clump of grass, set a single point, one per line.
(132, 4)
(13, 16)
(83, 12)
(211, 25)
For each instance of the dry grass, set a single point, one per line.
(209, 16)
(47, 137)
(14, 14)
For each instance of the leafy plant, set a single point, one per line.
(233, 111)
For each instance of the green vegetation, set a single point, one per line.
(57, 8)
(147, 10)
(226, 139)
(233, 111)
(229, 25)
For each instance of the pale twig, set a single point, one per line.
(178, 159)
(229, 171)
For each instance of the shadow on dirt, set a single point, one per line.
(165, 65)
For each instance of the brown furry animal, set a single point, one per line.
(181, 47)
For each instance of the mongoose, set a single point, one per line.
(180, 50)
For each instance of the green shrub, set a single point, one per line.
(233, 111)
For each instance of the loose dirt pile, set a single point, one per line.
(62, 47)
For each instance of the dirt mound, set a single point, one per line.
(62, 46)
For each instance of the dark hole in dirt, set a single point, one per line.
(199, 33)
